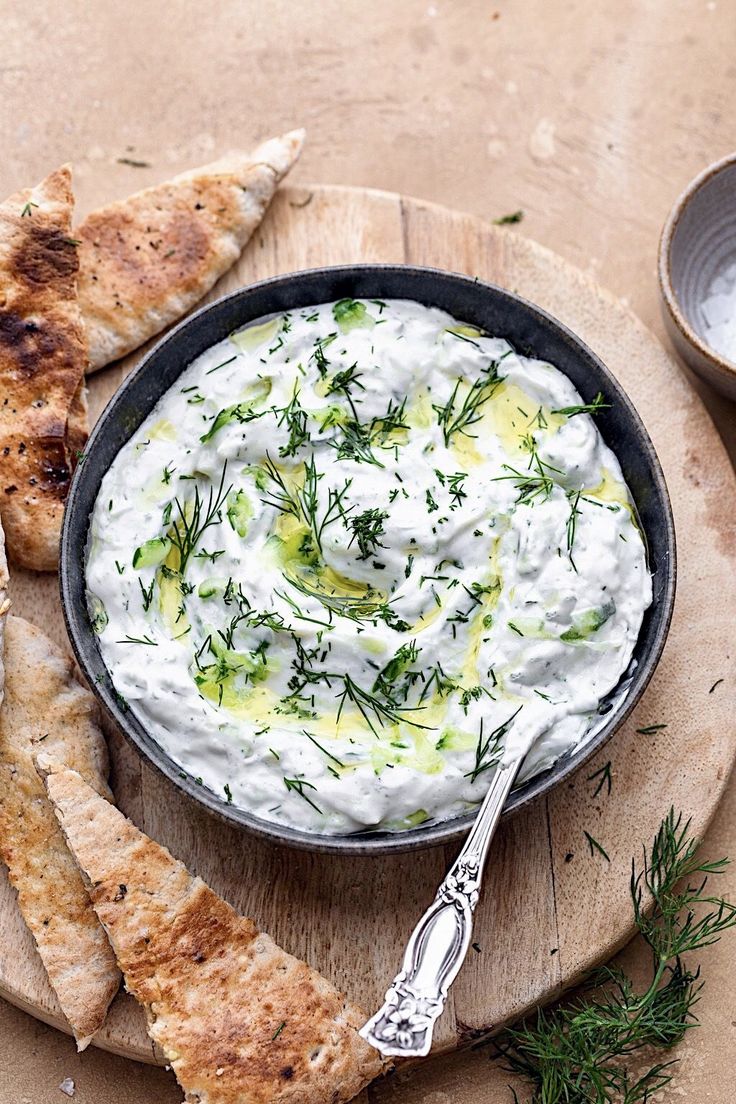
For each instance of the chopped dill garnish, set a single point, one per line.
(146, 593)
(223, 364)
(510, 219)
(488, 748)
(594, 846)
(367, 703)
(571, 527)
(323, 749)
(367, 528)
(604, 779)
(298, 785)
(193, 519)
(598, 403)
(303, 503)
(294, 417)
(458, 418)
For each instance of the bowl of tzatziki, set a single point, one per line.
(349, 539)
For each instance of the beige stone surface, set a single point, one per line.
(588, 115)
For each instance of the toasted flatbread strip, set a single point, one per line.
(4, 607)
(45, 707)
(240, 1021)
(42, 361)
(145, 260)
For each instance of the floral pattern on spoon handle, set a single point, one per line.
(403, 1027)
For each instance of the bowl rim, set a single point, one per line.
(664, 266)
(378, 843)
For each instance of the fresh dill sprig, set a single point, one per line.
(298, 613)
(435, 681)
(455, 487)
(318, 356)
(488, 747)
(598, 403)
(580, 1053)
(358, 440)
(571, 527)
(294, 416)
(367, 703)
(356, 607)
(367, 528)
(303, 503)
(537, 482)
(194, 518)
(355, 443)
(298, 785)
(458, 419)
(343, 383)
(281, 497)
(392, 420)
(675, 928)
(530, 486)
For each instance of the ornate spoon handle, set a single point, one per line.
(437, 947)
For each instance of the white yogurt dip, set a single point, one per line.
(356, 556)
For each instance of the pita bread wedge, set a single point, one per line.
(45, 707)
(145, 260)
(4, 607)
(42, 361)
(240, 1021)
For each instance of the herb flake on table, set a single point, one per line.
(510, 219)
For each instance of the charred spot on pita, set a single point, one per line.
(46, 255)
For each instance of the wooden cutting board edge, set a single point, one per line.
(309, 226)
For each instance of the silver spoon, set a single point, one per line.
(437, 947)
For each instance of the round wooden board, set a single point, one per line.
(551, 909)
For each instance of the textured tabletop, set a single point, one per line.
(589, 116)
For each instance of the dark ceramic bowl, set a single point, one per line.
(530, 331)
(698, 241)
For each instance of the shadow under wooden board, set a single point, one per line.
(551, 909)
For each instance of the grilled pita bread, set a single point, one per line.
(4, 607)
(42, 362)
(240, 1021)
(145, 260)
(46, 708)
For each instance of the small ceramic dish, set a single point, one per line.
(698, 244)
(531, 331)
